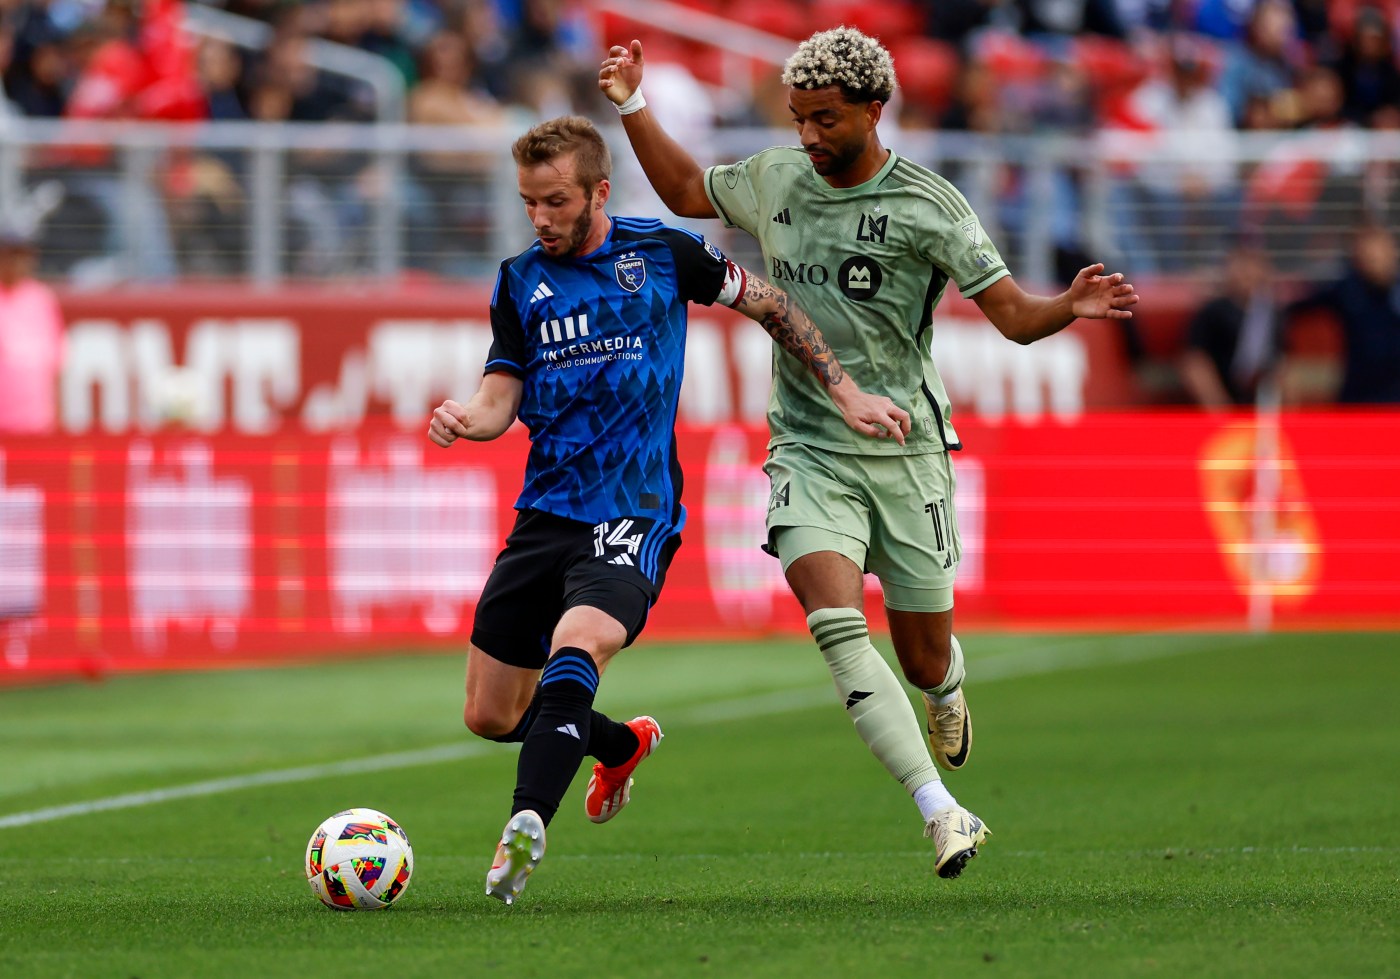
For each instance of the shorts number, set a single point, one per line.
(939, 512)
(613, 535)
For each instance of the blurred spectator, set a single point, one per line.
(220, 70)
(37, 73)
(31, 340)
(328, 188)
(977, 107)
(1185, 204)
(8, 110)
(552, 57)
(954, 20)
(1070, 17)
(207, 203)
(1224, 19)
(1233, 340)
(449, 94)
(131, 65)
(1263, 66)
(1314, 24)
(385, 27)
(1366, 302)
(1368, 67)
(448, 202)
(1299, 200)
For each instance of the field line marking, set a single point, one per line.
(233, 783)
(1053, 658)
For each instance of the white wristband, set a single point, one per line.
(633, 103)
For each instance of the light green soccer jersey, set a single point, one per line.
(868, 264)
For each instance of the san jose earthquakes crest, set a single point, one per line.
(631, 273)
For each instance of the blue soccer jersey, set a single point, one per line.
(599, 341)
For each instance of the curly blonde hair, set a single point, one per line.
(843, 56)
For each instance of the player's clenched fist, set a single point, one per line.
(449, 423)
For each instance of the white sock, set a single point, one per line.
(877, 703)
(931, 797)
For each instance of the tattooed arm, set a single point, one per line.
(774, 310)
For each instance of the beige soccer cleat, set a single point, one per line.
(949, 731)
(611, 788)
(517, 856)
(956, 834)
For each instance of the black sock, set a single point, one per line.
(557, 740)
(610, 741)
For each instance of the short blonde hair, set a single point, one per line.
(845, 57)
(549, 140)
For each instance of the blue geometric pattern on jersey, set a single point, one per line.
(600, 344)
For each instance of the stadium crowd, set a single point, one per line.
(987, 65)
(1213, 69)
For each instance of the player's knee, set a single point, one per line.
(488, 720)
(599, 639)
(930, 667)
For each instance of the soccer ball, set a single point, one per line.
(359, 859)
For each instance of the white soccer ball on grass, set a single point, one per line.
(359, 859)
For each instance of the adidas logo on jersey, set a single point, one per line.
(542, 291)
(783, 217)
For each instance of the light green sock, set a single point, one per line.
(874, 698)
(957, 672)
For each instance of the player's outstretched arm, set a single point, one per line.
(1025, 318)
(869, 414)
(673, 172)
(486, 416)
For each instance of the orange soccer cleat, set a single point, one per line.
(611, 788)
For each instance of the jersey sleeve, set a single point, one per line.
(507, 332)
(731, 190)
(956, 242)
(703, 274)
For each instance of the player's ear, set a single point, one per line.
(874, 109)
(601, 193)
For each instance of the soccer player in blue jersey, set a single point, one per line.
(589, 338)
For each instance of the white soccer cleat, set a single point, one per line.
(956, 834)
(949, 731)
(517, 856)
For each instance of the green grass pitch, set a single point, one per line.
(1162, 805)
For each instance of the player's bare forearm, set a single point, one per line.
(774, 310)
(1026, 318)
(791, 328)
(675, 176)
(489, 413)
(673, 172)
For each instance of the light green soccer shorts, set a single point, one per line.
(891, 515)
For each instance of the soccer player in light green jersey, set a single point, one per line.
(866, 241)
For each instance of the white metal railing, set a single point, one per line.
(266, 202)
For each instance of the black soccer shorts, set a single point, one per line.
(551, 564)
